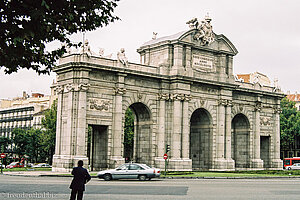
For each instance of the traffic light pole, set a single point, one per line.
(1, 165)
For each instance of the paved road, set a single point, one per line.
(17, 187)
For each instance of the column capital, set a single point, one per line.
(277, 109)
(120, 91)
(163, 96)
(222, 102)
(258, 106)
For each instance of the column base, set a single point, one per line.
(257, 164)
(277, 164)
(184, 164)
(220, 164)
(116, 161)
(65, 163)
(230, 164)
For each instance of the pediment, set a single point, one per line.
(220, 43)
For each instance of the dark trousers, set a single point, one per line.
(79, 194)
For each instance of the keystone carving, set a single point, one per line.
(102, 105)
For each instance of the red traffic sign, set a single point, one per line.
(165, 156)
(2, 155)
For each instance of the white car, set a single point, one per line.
(294, 166)
(130, 171)
(41, 165)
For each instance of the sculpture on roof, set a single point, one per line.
(86, 48)
(204, 32)
(122, 58)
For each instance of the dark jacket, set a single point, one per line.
(81, 177)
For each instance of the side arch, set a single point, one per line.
(201, 139)
(240, 141)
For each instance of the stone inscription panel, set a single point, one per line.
(203, 63)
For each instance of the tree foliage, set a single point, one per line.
(289, 124)
(128, 134)
(4, 143)
(49, 132)
(27, 26)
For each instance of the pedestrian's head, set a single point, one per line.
(80, 163)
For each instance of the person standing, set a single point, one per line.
(81, 177)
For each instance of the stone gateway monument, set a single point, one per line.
(184, 94)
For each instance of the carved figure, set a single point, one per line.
(101, 52)
(204, 31)
(86, 48)
(122, 58)
(154, 36)
(193, 23)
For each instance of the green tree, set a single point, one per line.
(289, 124)
(27, 26)
(129, 134)
(49, 132)
(33, 146)
(4, 143)
(20, 141)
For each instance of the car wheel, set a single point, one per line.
(107, 177)
(289, 168)
(142, 177)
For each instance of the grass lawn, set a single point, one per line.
(26, 169)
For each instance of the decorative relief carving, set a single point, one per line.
(265, 121)
(120, 91)
(99, 104)
(180, 97)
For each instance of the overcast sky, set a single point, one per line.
(265, 32)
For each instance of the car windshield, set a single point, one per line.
(13, 163)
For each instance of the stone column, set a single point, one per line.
(177, 64)
(185, 128)
(117, 157)
(59, 92)
(161, 125)
(176, 136)
(81, 127)
(229, 160)
(276, 161)
(256, 161)
(159, 161)
(220, 161)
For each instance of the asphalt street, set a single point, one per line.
(20, 187)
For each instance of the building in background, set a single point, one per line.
(255, 77)
(23, 112)
(294, 97)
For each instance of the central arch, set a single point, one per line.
(200, 139)
(240, 141)
(142, 140)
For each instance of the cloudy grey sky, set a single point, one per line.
(265, 32)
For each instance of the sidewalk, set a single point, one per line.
(36, 173)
